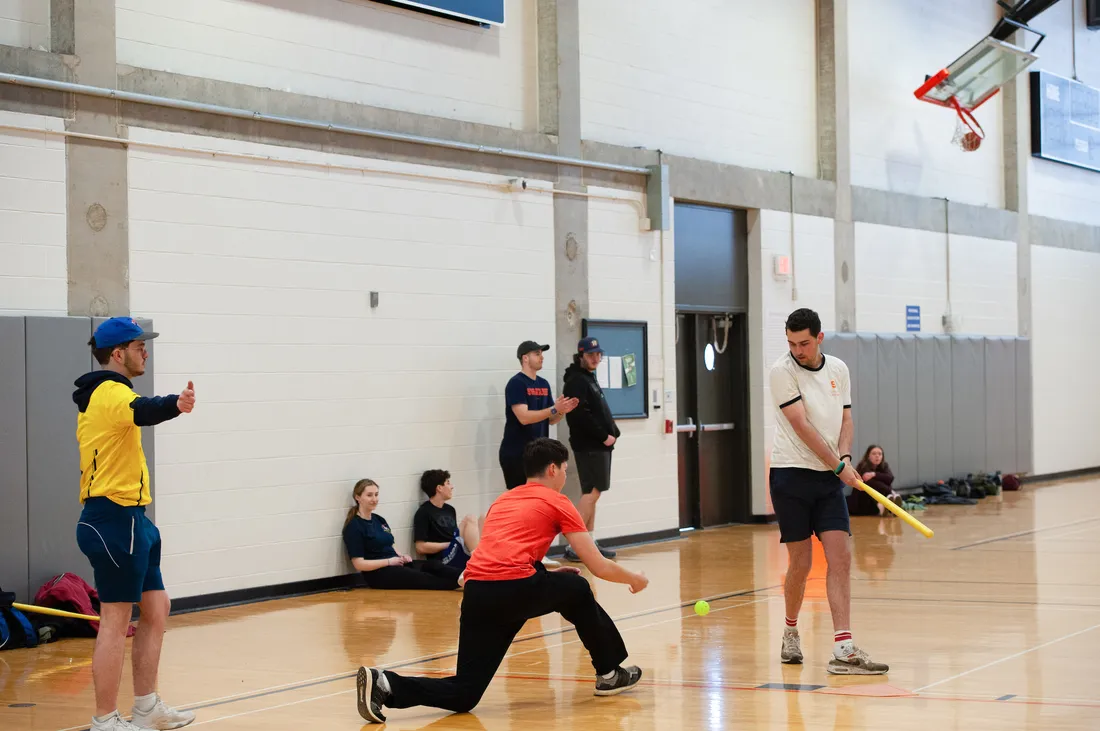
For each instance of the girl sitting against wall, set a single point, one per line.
(874, 471)
(369, 542)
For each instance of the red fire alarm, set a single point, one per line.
(781, 267)
(668, 426)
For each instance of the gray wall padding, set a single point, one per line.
(1024, 415)
(941, 406)
(57, 354)
(13, 457)
(942, 396)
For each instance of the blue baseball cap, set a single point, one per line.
(589, 345)
(119, 330)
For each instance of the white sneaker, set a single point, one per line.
(114, 722)
(791, 652)
(162, 717)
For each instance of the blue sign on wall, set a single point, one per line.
(476, 11)
(912, 318)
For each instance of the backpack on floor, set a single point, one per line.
(15, 629)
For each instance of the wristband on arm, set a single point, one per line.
(839, 468)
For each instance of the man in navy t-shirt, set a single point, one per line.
(529, 410)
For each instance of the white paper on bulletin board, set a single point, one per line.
(615, 366)
(602, 374)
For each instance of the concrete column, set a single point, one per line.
(560, 115)
(98, 245)
(1017, 153)
(835, 147)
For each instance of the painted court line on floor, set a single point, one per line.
(1017, 534)
(1006, 659)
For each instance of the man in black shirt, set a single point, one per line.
(529, 410)
(592, 433)
(436, 530)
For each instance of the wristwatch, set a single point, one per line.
(553, 411)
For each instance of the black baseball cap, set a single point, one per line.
(530, 346)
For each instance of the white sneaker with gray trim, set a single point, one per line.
(162, 717)
(791, 653)
(114, 722)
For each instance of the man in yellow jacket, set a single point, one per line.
(121, 543)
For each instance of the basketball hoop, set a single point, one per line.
(968, 133)
(973, 79)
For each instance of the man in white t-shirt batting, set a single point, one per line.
(810, 464)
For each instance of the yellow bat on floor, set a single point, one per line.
(53, 612)
(897, 510)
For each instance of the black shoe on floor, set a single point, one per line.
(370, 697)
(607, 552)
(624, 679)
(570, 555)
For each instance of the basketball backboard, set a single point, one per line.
(976, 75)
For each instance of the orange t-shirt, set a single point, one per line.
(519, 528)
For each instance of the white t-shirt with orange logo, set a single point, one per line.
(824, 392)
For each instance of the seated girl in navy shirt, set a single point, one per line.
(369, 542)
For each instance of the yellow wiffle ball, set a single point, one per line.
(702, 608)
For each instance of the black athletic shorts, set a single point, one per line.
(593, 470)
(808, 502)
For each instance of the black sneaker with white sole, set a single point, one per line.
(369, 695)
(624, 679)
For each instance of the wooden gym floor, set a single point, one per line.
(992, 624)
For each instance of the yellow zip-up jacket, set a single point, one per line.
(108, 430)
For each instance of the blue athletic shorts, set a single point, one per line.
(455, 555)
(123, 547)
(808, 502)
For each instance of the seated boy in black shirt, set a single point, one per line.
(436, 530)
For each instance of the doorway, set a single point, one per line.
(712, 375)
(712, 429)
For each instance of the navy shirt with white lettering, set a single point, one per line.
(536, 394)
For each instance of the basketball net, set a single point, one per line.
(968, 133)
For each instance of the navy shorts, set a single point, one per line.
(808, 502)
(123, 547)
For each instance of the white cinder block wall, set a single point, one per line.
(727, 81)
(896, 267)
(1066, 433)
(625, 283)
(361, 52)
(1056, 190)
(1064, 281)
(258, 275)
(33, 275)
(25, 23)
(898, 142)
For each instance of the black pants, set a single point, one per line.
(416, 575)
(512, 467)
(493, 613)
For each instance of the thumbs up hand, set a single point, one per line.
(186, 401)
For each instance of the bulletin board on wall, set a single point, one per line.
(622, 374)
